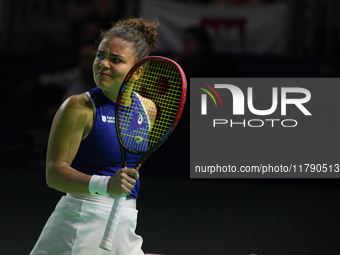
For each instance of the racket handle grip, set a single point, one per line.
(112, 222)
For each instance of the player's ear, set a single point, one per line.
(138, 73)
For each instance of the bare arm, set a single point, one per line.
(70, 123)
(73, 120)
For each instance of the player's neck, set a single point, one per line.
(110, 95)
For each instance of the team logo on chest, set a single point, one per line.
(108, 119)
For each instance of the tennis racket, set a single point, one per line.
(148, 107)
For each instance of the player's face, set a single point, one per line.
(114, 59)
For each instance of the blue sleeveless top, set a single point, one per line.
(99, 152)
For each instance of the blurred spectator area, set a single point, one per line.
(42, 36)
(37, 26)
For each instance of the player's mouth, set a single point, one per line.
(104, 75)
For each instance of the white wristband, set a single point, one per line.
(98, 185)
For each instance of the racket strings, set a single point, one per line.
(162, 84)
(167, 102)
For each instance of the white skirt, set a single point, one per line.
(77, 226)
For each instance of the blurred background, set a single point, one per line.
(46, 55)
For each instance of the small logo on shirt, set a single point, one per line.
(139, 139)
(108, 119)
(140, 119)
(137, 122)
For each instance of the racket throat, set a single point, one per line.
(123, 156)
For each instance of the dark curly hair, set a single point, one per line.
(140, 33)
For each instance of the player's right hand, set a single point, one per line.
(123, 181)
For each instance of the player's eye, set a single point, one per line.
(115, 60)
(100, 55)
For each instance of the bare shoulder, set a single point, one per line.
(76, 110)
(78, 102)
(149, 104)
(150, 108)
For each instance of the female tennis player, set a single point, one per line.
(84, 158)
